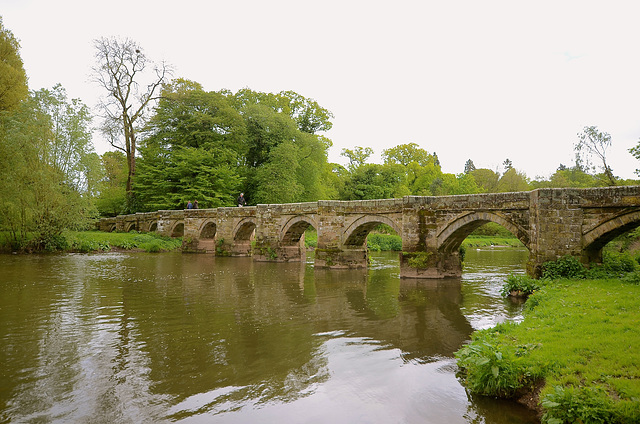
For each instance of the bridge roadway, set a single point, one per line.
(551, 223)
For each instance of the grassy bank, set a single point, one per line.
(578, 344)
(97, 241)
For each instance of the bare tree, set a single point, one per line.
(593, 142)
(132, 83)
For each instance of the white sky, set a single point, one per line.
(481, 80)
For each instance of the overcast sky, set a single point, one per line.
(479, 80)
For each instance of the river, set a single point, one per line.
(144, 338)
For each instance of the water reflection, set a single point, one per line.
(144, 338)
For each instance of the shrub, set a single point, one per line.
(520, 284)
(492, 369)
(578, 405)
(379, 242)
(565, 267)
(614, 264)
(153, 246)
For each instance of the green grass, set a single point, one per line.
(92, 241)
(581, 337)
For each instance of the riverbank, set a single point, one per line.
(574, 357)
(98, 241)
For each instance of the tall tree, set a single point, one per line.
(47, 167)
(404, 154)
(635, 151)
(194, 144)
(308, 115)
(486, 179)
(111, 200)
(357, 157)
(13, 78)
(469, 167)
(512, 180)
(591, 142)
(132, 83)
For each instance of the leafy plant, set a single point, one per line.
(614, 264)
(578, 405)
(519, 285)
(565, 267)
(492, 369)
(417, 259)
(384, 242)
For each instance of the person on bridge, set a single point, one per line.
(189, 205)
(241, 200)
(195, 204)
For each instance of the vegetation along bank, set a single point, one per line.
(575, 355)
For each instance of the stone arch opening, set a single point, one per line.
(178, 230)
(295, 229)
(450, 238)
(208, 231)
(356, 234)
(245, 230)
(112, 228)
(595, 239)
(153, 227)
(131, 226)
(207, 235)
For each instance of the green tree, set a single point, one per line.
(469, 167)
(277, 179)
(512, 180)
(308, 115)
(47, 168)
(635, 151)
(194, 144)
(123, 71)
(592, 142)
(405, 154)
(357, 157)
(486, 179)
(374, 181)
(13, 78)
(270, 123)
(111, 200)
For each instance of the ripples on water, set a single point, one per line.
(129, 338)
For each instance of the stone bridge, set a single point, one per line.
(551, 223)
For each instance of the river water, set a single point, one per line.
(143, 338)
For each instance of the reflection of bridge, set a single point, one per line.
(550, 222)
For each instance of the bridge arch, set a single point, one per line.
(131, 226)
(153, 226)
(244, 229)
(453, 234)
(356, 234)
(207, 230)
(595, 239)
(293, 230)
(178, 229)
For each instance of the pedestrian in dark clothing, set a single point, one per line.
(195, 205)
(241, 200)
